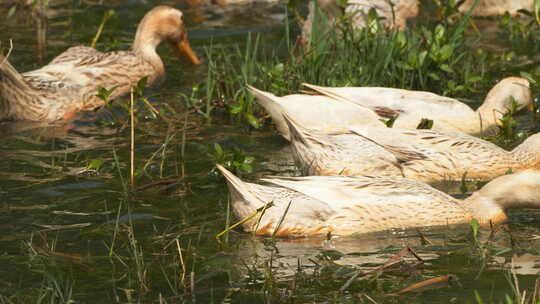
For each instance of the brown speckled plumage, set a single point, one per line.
(70, 82)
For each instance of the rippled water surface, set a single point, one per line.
(64, 223)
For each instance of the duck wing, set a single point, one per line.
(397, 99)
(339, 152)
(342, 192)
(409, 106)
(453, 149)
(79, 72)
(75, 55)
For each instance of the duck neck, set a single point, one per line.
(526, 154)
(484, 209)
(518, 190)
(502, 97)
(492, 110)
(145, 45)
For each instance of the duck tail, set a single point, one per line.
(270, 103)
(326, 91)
(240, 192)
(12, 84)
(306, 145)
(298, 133)
(307, 137)
(9, 73)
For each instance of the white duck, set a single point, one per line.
(350, 205)
(314, 112)
(448, 114)
(425, 155)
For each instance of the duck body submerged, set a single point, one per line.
(350, 205)
(425, 155)
(70, 82)
(409, 107)
(342, 108)
(320, 112)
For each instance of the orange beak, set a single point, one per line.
(184, 51)
(531, 107)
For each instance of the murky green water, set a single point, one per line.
(65, 227)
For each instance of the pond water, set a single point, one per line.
(69, 231)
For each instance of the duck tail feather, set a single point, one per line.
(330, 93)
(239, 189)
(269, 102)
(7, 71)
(298, 132)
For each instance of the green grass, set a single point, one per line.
(434, 56)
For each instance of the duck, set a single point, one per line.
(429, 156)
(395, 13)
(497, 7)
(408, 108)
(372, 106)
(317, 112)
(339, 205)
(70, 82)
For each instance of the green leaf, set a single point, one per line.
(390, 122)
(445, 52)
(422, 58)
(141, 85)
(252, 120)
(445, 67)
(439, 32)
(537, 11)
(527, 76)
(478, 298)
(502, 251)
(95, 164)
(404, 66)
(425, 123)
(105, 94)
(218, 149)
(235, 109)
(473, 79)
(434, 76)
(401, 39)
(475, 226)
(12, 11)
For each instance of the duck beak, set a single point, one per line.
(184, 51)
(531, 107)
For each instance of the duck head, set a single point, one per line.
(164, 23)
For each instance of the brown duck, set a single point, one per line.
(70, 82)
